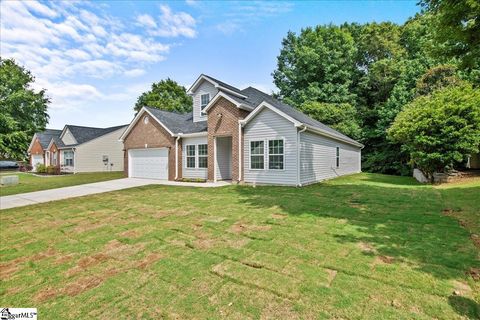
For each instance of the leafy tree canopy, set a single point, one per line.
(441, 129)
(22, 110)
(167, 95)
(340, 116)
(437, 78)
(457, 27)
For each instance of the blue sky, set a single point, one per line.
(95, 58)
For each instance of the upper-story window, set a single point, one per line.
(204, 100)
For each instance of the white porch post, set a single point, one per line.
(214, 159)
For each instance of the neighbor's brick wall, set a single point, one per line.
(52, 150)
(153, 135)
(223, 126)
(36, 149)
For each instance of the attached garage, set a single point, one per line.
(148, 163)
(36, 159)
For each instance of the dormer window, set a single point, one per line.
(204, 100)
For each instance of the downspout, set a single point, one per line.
(239, 152)
(299, 184)
(176, 156)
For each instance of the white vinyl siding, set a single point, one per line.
(318, 158)
(68, 138)
(193, 173)
(89, 156)
(204, 88)
(268, 125)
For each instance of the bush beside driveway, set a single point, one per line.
(364, 246)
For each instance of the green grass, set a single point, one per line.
(29, 182)
(359, 247)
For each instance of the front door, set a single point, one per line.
(224, 158)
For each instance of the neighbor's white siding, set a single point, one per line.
(88, 156)
(269, 125)
(192, 173)
(204, 88)
(318, 158)
(68, 138)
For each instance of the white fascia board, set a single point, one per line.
(50, 144)
(135, 120)
(191, 90)
(265, 104)
(223, 95)
(65, 128)
(192, 135)
(332, 136)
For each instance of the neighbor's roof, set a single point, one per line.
(84, 134)
(178, 122)
(46, 136)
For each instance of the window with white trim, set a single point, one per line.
(204, 100)
(202, 155)
(337, 157)
(190, 149)
(68, 158)
(257, 155)
(276, 155)
(54, 160)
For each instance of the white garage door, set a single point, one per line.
(36, 159)
(148, 163)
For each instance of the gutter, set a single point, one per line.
(299, 184)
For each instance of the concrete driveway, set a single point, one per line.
(25, 199)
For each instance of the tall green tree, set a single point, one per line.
(340, 116)
(457, 28)
(23, 111)
(166, 95)
(440, 130)
(316, 65)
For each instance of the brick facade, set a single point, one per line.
(53, 149)
(152, 135)
(222, 120)
(37, 149)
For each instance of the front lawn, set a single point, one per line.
(30, 182)
(360, 247)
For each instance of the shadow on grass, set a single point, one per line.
(465, 307)
(406, 224)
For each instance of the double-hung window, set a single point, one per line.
(54, 161)
(68, 158)
(337, 157)
(190, 156)
(257, 155)
(276, 156)
(202, 155)
(204, 100)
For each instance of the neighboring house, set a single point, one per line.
(239, 135)
(78, 149)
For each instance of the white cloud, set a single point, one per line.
(170, 24)
(146, 20)
(134, 73)
(67, 45)
(228, 27)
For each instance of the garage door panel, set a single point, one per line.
(148, 163)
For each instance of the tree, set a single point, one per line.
(317, 65)
(440, 130)
(166, 95)
(22, 110)
(437, 78)
(340, 116)
(457, 28)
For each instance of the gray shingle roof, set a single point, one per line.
(225, 85)
(256, 97)
(46, 136)
(183, 123)
(178, 122)
(84, 134)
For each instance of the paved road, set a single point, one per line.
(25, 199)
